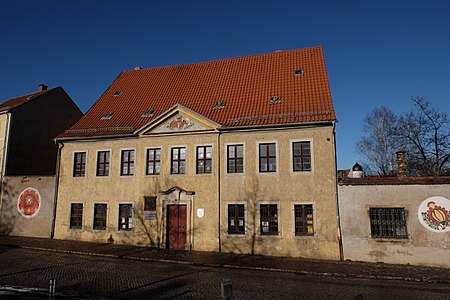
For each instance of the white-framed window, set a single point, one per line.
(79, 163)
(236, 218)
(103, 163)
(302, 156)
(153, 161)
(269, 219)
(125, 222)
(127, 162)
(304, 219)
(267, 157)
(178, 159)
(235, 153)
(204, 159)
(76, 215)
(100, 216)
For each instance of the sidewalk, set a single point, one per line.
(228, 260)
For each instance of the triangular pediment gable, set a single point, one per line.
(176, 120)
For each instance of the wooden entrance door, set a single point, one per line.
(176, 226)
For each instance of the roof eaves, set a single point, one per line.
(99, 137)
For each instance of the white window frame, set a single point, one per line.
(314, 207)
(160, 162)
(120, 162)
(291, 156)
(212, 159)
(226, 158)
(277, 158)
(110, 162)
(86, 173)
(186, 162)
(132, 217)
(245, 218)
(258, 227)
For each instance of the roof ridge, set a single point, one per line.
(276, 52)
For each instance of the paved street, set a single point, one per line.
(111, 278)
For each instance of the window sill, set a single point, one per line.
(390, 240)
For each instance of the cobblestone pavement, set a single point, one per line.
(113, 278)
(252, 262)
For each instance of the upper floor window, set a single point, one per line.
(235, 158)
(301, 156)
(125, 216)
(79, 164)
(388, 223)
(204, 159)
(103, 163)
(267, 157)
(178, 160)
(127, 163)
(304, 222)
(153, 161)
(99, 216)
(269, 219)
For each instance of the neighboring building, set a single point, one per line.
(28, 153)
(235, 155)
(399, 220)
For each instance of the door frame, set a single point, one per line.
(178, 196)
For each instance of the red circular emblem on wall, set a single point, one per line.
(29, 202)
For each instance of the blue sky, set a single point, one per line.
(377, 52)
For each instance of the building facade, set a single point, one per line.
(235, 155)
(28, 154)
(398, 220)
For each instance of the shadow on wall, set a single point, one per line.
(255, 244)
(8, 208)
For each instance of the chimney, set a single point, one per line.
(401, 163)
(42, 87)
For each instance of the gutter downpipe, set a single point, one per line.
(55, 196)
(219, 192)
(341, 248)
(4, 152)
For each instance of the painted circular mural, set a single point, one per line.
(434, 214)
(29, 202)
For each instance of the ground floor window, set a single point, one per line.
(76, 215)
(149, 203)
(269, 219)
(236, 219)
(388, 223)
(304, 222)
(99, 216)
(125, 217)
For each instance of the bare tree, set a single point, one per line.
(379, 145)
(424, 133)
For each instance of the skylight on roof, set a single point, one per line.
(274, 100)
(299, 72)
(107, 116)
(148, 114)
(117, 93)
(218, 105)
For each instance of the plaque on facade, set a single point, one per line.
(150, 216)
(29, 202)
(201, 212)
(434, 214)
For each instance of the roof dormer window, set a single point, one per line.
(107, 116)
(148, 114)
(299, 72)
(218, 105)
(117, 93)
(274, 100)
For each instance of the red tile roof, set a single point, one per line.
(244, 85)
(385, 180)
(13, 103)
